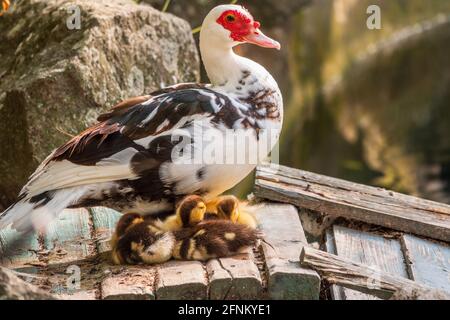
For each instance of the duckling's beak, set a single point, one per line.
(137, 220)
(198, 213)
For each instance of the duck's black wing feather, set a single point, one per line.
(123, 143)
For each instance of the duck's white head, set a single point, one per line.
(230, 25)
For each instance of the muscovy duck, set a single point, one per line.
(129, 160)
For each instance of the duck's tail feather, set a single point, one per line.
(37, 212)
(29, 215)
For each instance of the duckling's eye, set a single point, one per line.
(230, 18)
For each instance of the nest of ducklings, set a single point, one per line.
(196, 231)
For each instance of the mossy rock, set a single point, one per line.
(56, 80)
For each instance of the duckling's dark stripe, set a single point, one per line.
(210, 216)
(215, 246)
(134, 258)
(185, 215)
(227, 206)
(184, 250)
(185, 211)
(125, 222)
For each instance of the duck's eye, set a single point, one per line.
(230, 18)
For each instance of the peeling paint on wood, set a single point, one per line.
(129, 283)
(104, 220)
(68, 238)
(25, 252)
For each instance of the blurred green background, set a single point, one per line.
(371, 106)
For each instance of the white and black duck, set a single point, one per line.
(126, 160)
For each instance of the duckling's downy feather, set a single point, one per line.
(213, 239)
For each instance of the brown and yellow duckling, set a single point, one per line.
(190, 211)
(137, 240)
(223, 231)
(145, 240)
(141, 241)
(213, 239)
(228, 207)
(125, 222)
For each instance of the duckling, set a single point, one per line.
(213, 239)
(124, 223)
(139, 241)
(190, 211)
(185, 235)
(229, 208)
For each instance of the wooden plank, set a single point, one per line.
(354, 201)
(68, 238)
(181, 280)
(78, 295)
(337, 292)
(429, 261)
(391, 196)
(234, 278)
(369, 249)
(24, 251)
(284, 232)
(344, 272)
(220, 280)
(104, 220)
(67, 243)
(130, 283)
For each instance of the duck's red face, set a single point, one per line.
(243, 28)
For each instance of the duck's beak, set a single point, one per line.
(198, 213)
(260, 39)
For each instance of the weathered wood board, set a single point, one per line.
(337, 292)
(104, 221)
(69, 240)
(67, 244)
(283, 231)
(368, 249)
(428, 262)
(68, 237)
(354, 201)
(129, 283)
(181, 280)
(360, 277)
(24, 253)
(234, 278)
(122, 283)
(78, 295)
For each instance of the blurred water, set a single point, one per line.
(372, 105)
